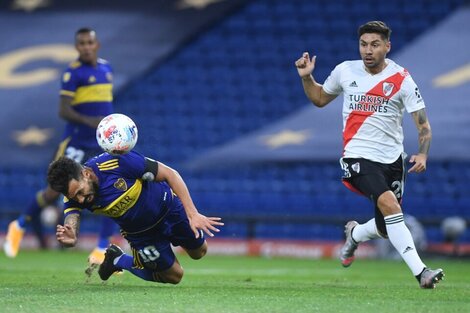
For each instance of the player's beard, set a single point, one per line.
(94, 193)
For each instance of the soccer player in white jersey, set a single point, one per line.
(376, 92)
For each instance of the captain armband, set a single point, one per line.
(151, 169)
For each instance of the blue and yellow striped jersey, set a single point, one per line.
(91, 90)
(135, 204)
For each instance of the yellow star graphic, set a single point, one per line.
(454, 78)
(29, 5)
(33, 136)
(286, 137)
(195, 4)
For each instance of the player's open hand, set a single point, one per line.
(305, 65)
(419, 161)
(204, 223)
(66, 235)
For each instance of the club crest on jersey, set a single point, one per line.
(356, 167)
(387, 88)
(120, 184)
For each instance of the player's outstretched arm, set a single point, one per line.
(196, 219)
(424, 141)
(67, 234)
(313, 90)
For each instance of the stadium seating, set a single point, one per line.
(239, 76)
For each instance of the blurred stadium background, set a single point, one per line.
(213, 89)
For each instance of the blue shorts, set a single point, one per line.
(151, 249)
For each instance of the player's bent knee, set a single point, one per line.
(171, 276)
(170, 279)
(388, 203)
(198, 253)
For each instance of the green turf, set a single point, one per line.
(55, 282)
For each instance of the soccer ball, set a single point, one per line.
(49, 216)
(452, 227)
(116, 134)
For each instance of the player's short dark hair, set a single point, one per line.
(61, 172)
(377, 27)
(84, 30)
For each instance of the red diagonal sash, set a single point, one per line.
(357, 118)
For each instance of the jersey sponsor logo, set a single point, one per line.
(357, 118)
(368, 103)
(120, 184)
(120, 207)
(360, 107)
(387, 88)
(123, 203)
(353, 84)
(368, 99)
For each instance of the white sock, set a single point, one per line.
(366, 231)
(401, 239)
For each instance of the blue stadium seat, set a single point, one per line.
(237, 77)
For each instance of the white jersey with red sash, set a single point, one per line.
(373, 107)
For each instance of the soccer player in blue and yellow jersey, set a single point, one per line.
(85, 98)
(150, 202)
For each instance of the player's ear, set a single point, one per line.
(86, 172)
(388, 45)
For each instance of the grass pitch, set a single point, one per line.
(54, 281)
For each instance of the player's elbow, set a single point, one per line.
(318, 100)
(319, 103)
(174, 174)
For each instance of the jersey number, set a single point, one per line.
(74, 154)
(149, 254)
(397, 189)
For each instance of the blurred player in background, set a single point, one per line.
(152, 213)
(376, 93)
(85, 98)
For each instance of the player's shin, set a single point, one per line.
(402, 240)
(126, 262)
(365, 232)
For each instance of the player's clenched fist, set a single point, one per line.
(305, 65)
